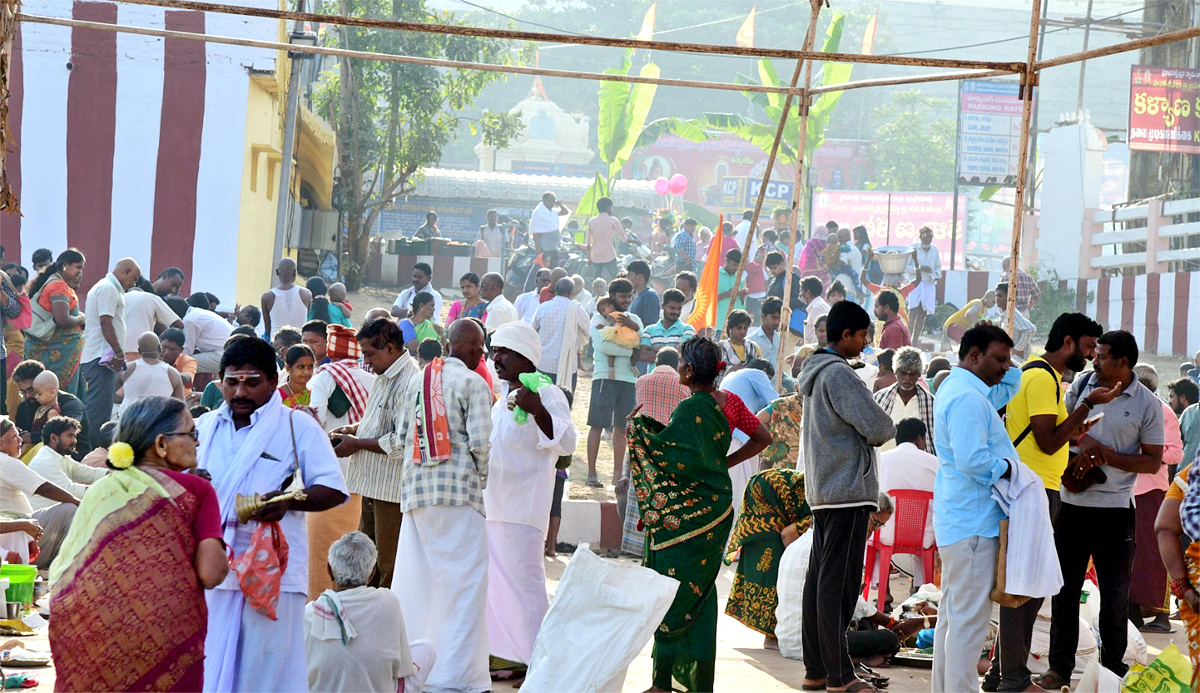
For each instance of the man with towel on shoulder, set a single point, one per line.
(531, 429)
(253, 444)
(444, 422)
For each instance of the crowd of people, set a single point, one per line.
(279, 497)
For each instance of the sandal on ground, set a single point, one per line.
(815, 685)
(594, 482)
(858, 685)
(1052, 680)
(1156, 628)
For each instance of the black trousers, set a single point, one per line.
(831, 589)
(1107, 536)
(1010, 660)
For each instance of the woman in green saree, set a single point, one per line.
(774, 501)
(680, 473)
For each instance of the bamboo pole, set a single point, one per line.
(1134, 45)
(809, 38)
(1029, 80)
(576, 39)
(915, 79)
(433, 62)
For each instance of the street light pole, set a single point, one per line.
(289, 145)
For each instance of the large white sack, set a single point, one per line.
(603, 614)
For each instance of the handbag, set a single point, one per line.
(42, 323)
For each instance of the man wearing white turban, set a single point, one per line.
(530, 431)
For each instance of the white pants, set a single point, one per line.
(968, 575)
(246, 651)
(441, 579)
(516, 591)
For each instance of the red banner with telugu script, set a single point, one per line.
(1164, 109)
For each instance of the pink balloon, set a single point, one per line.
(662, 186)
(679, 184)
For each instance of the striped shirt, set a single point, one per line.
(371, 474)
(11, 311)
(461, 479)
(657, 336)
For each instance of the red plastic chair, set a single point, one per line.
(912, 506)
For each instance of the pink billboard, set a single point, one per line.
(894, 218)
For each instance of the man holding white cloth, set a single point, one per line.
(974, 453)
(254, 444)
(441, 571)
(520, 491)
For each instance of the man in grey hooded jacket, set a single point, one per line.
(842, 425)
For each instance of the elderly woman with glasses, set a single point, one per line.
(354, 634)
(129, 580)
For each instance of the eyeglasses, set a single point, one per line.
(194, 434)
(876, 524)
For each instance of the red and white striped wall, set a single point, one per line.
(1153, 307)
(131, 145)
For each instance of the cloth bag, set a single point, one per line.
(601, 617)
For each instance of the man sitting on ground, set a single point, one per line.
(55, 464)
(354, 634)
(909, 466)
(17, 484)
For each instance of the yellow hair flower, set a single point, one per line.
(120, 455)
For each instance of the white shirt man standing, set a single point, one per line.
(144, 312)
(562, 327)
(254, 444)
(500, 310)
(544, 225)
(104, 332)
(421, 274)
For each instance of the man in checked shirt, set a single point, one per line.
(441, 574)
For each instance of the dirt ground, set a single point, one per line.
(742, 663)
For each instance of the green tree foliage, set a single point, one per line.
(914, 145)
(393, 119)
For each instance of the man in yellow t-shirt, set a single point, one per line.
(956, 325)
(1041, 427)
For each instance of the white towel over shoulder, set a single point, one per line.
(1032, 568)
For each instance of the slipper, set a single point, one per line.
(813, 686)
(1156, 628)
(594, 483)
(1052, 680)
(859, 685)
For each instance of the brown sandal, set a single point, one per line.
(1052, 680)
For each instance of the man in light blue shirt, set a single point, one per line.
(753, 385)
(973, 450)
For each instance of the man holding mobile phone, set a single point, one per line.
(1098, 522)
(1041, 428)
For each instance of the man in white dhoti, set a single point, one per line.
(519, 493)
(441, 560)
(927, 265)
(253, 444)
(354, 633)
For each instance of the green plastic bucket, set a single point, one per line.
(20, 582)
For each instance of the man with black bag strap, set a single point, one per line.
(1099, 521)
(1038, 422)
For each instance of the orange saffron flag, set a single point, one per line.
(868, 43)
(647, 32)
(704, 313)
(745, 35)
